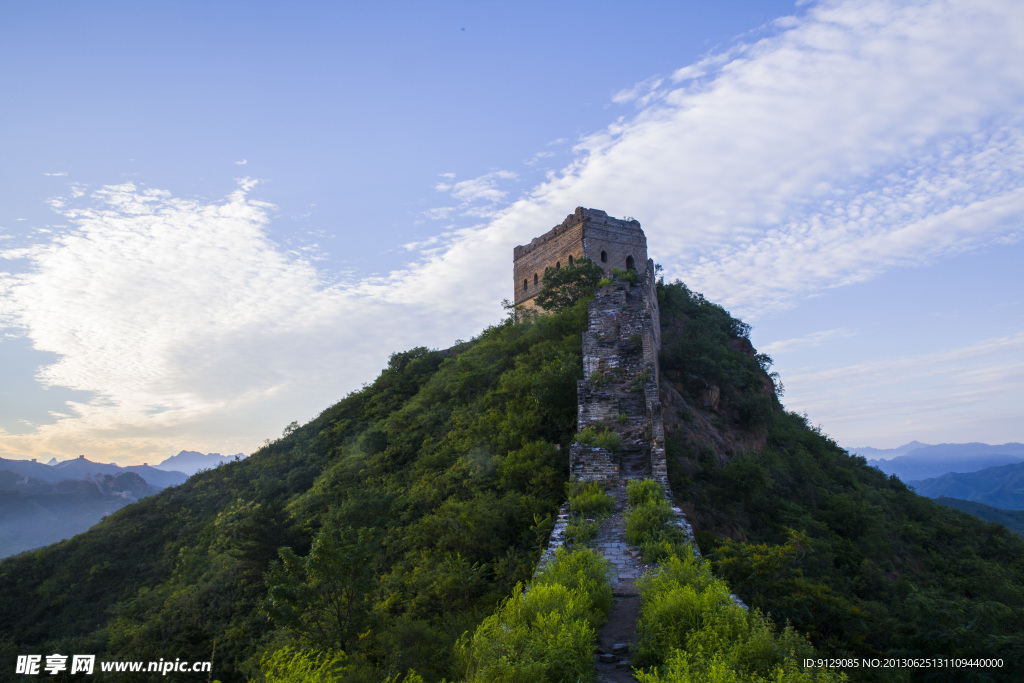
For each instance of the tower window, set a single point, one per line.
(535, 279)
(570, 260)
(629, 263)
(604, 257)
(558, 265)
(524, 285)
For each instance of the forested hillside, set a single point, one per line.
(812, 535)
(398, 520)
(408, 510)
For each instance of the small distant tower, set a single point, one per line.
(585, 233)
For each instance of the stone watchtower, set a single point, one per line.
(619, 389)
(585, 233)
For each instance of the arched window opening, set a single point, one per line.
(604, 257)
(629, 263)
(524, 285)
(535, 279)
(570, 260)
(558, 265)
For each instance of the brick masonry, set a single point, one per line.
(585, 233)
(619, 389)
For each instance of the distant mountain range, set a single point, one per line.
(191, 462)
(82, 467)
(45, 503)
(917, 461)
(35, 512)
(1001, 487)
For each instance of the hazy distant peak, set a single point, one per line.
(928, 461)
(191, 462)
(886, 453)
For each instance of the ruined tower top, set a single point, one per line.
(585, 233)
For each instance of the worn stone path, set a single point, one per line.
(617, 638)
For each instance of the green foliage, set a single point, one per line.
(588, 499)
(848, 556)
(439, 475)
(600, 438)
(645, 521)
(763, 571)
(566, 286)
(703, 345)
(599, 379)
(585, 570)
(640, 491)
(323, 597)
(648, 521)
(292, 665)
(604, 282)
(634, 344)
(856, 560)
(546, 633)
(580, 530)
(640, 380)
(690, 628)
(630, 275)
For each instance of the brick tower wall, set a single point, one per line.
(583, 233)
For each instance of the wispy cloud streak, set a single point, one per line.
(857, 138)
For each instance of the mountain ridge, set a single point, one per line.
(420, 501)
(1000, 487)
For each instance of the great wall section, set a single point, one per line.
(619, 393)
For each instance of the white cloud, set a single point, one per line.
(243, 162)
(643, 93)
(190, 326)
(56, 174)
(811, 340)
(482, 188)
(979, 387)
(860, 137)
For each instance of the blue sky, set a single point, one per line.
(217, 218)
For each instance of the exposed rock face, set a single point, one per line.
(709, 397)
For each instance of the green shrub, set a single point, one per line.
(539, 636)
(630, 276)
(640, 381)
(605, 438)
(622, 418)
(546, 633)
(644, 491)
(564, 287)
(647, 521)
(604, 282)
(586, 570)
(580, 531)
(599, 379)
(291, 665)
(691, 628)
(589, 499)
